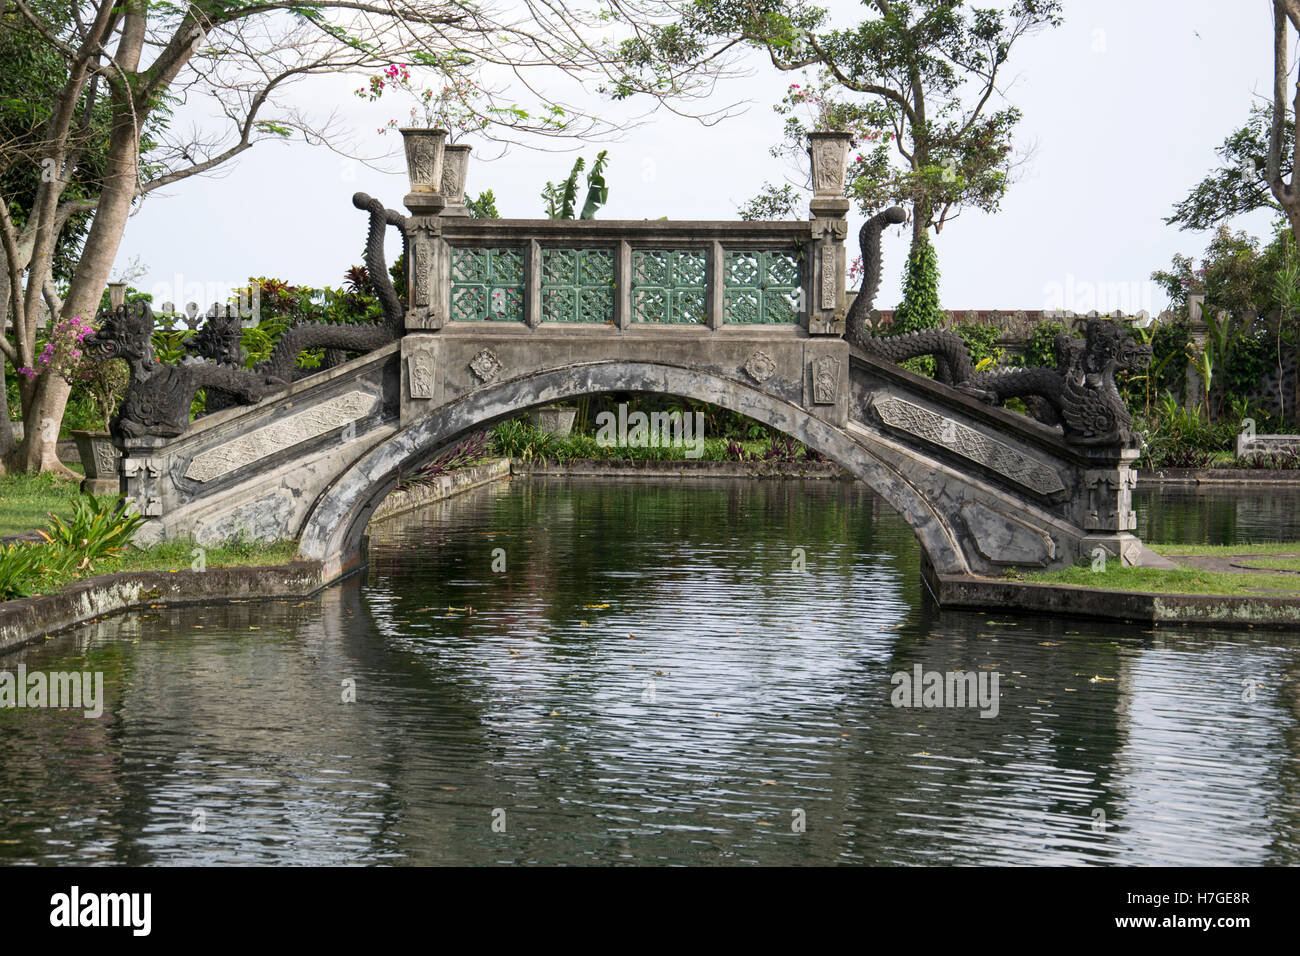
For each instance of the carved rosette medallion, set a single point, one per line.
(825, 375)
(486, 365)
(970, 444)
(760, 367)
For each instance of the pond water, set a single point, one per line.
(662, 672)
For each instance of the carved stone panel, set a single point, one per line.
(1110, 499)
(825, 378)
(760, 367)
(421, 261)
(486, 365)
(142, 480)
(281, 434)
(828, 297)
(965, 441)
(420, 369)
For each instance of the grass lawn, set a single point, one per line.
(175, 556)
(1183, 580)
(1274, 564)
(1224, 550)
(26, 500)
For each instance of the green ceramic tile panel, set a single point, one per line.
(668, 285)
(761, 287)
(487, 284)
(577, 285)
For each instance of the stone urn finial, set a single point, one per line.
(116, 294)
(455, 166)
(829, 152)
(424, 161)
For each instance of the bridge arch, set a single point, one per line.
(332, 530)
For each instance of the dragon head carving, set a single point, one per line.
(219, 340)
(126, 333)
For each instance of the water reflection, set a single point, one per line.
(650, 679)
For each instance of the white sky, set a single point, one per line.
(1123, 106)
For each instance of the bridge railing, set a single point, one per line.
(544, 273)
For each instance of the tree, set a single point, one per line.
(1279, 170)
(561, 198)
(920, 306)
(1239, 185)
(482, 207)
(113, 68)
(920, 74)
(772, 203)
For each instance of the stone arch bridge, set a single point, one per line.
(504, 315)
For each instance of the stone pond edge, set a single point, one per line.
(958, 592)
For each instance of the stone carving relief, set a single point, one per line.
(486, 365)
(829, 163)
(969, 443)
(420, 262)
(142, 476)
(279, 435)
(1110, 499)
(826, 373)
(420, 368)
(828, 279)
(760, 367)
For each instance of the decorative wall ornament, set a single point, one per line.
(486, 365)
(420, 263)
(825, 374)
(760, 367)
(970, 444)
(577, 285)
(668, 285)
(487, 283)
(420, 366)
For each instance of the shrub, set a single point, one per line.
(98, 528)
(469, 451)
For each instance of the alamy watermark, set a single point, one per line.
(922, 688)
(77, 690)
(653, 430)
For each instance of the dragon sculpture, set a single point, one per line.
(1079, 395)
(158, 397)
(219, 339)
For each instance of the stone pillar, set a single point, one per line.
(425, 150)
(1107, 504)
(425, 308)
(824, 304)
